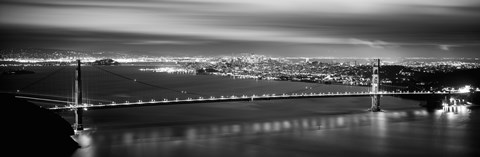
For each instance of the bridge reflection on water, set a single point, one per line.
(277, 126)
(233, 138)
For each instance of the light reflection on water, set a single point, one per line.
(379, 130)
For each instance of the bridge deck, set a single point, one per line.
(236, 98)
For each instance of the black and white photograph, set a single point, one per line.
(240, 78)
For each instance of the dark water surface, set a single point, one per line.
(294, 127)
(307, 127)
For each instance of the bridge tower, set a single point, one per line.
(375, 86)
(78, 126)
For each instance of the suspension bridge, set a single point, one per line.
(78, 105)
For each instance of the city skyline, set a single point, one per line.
(366, 28)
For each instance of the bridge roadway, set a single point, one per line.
(239, 98)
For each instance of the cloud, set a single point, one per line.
(373, 44)
(444, 47)
(373, 23)
(160, 23)
(168, 42)
(447, 47)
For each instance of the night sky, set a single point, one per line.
(337, 28)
